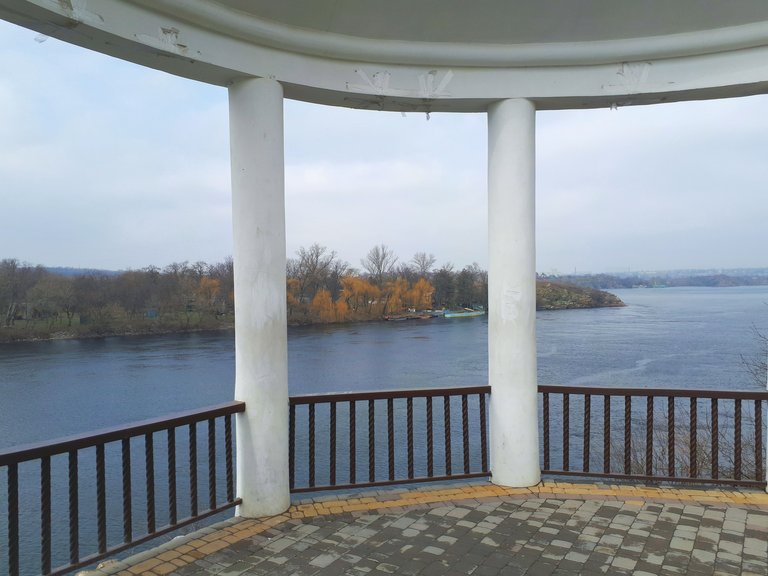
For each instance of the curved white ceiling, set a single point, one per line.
(433, 55)
(485, 32)
(503, 21)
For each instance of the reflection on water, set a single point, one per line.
(681, 337)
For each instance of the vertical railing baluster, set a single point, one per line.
(193, 469)
(649, 436)
(545, 424)
(101, 499)
(758, 440)
(587, 431)
(409, 425)
(292, 446)
(566, 431)
(627, 434)
(465, 431)
(483, 432)
(352, 443)
(127, 491)
(371, 442)
(149, 459)
(97, 547)
(693, 437)
(391, 437)
(13, 519)
(737, 439)
(211, 463)
(447, 431)
(172, 511)
(607, 433)
(332, 446)
(74, 513)
(45, 514)
(671, 436)
(430, 440)
(228, 457)
(715, 439)
(630, 458)
(312, 444)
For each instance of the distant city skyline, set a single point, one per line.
(105, 164)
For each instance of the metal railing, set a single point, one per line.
(702, 436)
(362, 439)
(68, 456)
(400, 436)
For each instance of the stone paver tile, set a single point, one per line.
(555, 528)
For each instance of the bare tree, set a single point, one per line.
(312, 269)
(224, 272)
(423, 263)
(757, 365)
(292, 268)
(15, 280)
(9, 292)
(465, 284)
(445, 289)
(199, 269)
(379, 263)
(405, 270)
(337, 270)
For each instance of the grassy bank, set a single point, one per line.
(87, 327)
(113, 321)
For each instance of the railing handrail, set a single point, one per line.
(656, 392)
(548, 388)
(66, 444)
(386, 394)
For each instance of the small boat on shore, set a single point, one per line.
(402, 317)
(466, 313)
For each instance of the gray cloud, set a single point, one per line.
(669, 186)
(106, 164)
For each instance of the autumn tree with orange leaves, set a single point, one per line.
(323, 289)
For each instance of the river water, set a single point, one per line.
(672, 337)
(675, 337)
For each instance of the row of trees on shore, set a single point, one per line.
(323, 288)
(36, 302)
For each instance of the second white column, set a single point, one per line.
(261, 340)
(512, 293)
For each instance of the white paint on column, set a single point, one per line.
(512, 293)
(261, 348)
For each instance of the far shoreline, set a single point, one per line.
(60, 335)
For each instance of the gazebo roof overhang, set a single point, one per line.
(433, 55)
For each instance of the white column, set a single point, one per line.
(512, 293)
(261, 347)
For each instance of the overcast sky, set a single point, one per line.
(105, 164)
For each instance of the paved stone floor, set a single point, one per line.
(480, 529)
